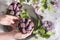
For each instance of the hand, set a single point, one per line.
(14, 35)
(19, 35)
(8, 20)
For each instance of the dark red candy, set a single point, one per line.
(25, 25)
(16, 7)
(12, 12)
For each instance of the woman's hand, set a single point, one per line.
(8, 20)
(11, 21)
(14, 35)
(19, 35)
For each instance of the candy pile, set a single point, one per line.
(24, 25)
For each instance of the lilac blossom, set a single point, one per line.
(48, 25)
(55, 4)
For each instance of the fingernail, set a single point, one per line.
(12, 22)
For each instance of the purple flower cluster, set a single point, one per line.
(55, 4)
(48, 25)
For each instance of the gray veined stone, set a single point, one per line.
(30, 10)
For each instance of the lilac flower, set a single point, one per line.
(48, 25)
(55, 4)
(38, 11)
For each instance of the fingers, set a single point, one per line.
(22, 36)
(29, 33)
(12, 20)
(12, 17)
(13, 23)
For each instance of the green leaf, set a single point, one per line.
(52, 2)
(51, 9)
(45, 5)
(28, 0)
(35, 1)
(44, 1)
(42, 8)
(24, 14)
(22, 1)
(38, 23)
(35, 32)
(45, 35)
(42, 31)
(51, 32)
